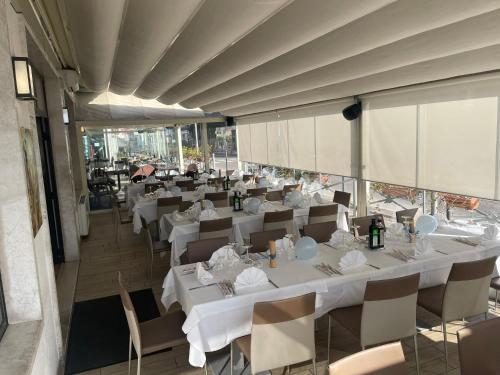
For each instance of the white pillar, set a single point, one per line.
(179, 143)
(204, 142)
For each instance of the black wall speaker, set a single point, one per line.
(230, 121)
(352, 112)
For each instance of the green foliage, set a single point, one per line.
(192, 153)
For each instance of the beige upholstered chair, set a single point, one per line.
(218, 199)
(153, 335)
(153, 247)
(387, 359)
(153, 186)
(247, 177)
(257, 192)
(478, 348)
(120, 217)
(320, 214)
(289, 188)
(279, 219)
(202, 250)
(185, 185)
(321, 232)
(343, 198)
(364, 223)
(216, 228)
(465, 294)
(274, 196)
(282, 334)
(216, 181)
(167, 206)
(260, 240)
(388, 313)
(495, 284)
(412, 213)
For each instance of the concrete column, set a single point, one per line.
(63, 170)
(179, 144)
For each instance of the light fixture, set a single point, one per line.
(352, 112)
(23, 78)
(65, 116)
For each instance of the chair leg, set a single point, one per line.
(231, 358)
(445, 347)
(206, 368)
(496, 299)
(486, 315)
(129, 354)
(329, 338)
(314, 367)
(417, 362)
(138, 364)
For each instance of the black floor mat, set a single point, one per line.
(99, 333)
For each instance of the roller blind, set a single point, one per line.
(277, 146)
(258, 142)
(302, 148)
(244, 147)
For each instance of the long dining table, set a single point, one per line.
(215, 320)
(179, 233)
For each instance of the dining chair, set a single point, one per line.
(343, 198)
(260, 240)
(119, 217)
(257, 192)
(216, 228)
(320, 232)
(289, 188)
(184, 184)
(247, 177)
(364, 223)
(229, 172)
(184, 205)
(388, 359)
(219, 199)
(465, 294)
(216, 181)
(274, 196)
(202, 250)
(478, 348)
(167, 205)
(388, 313)
(153, 186)
(279, 219)
(495, 284)
(282, 334)
(153, 247)
(410, 213)
(153, 335)
(320, 214)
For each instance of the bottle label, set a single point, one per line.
(375, 240)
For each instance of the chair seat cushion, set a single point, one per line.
(349, 317)
(431, 299)
(244, 344)
(495, 283)
(163, 332)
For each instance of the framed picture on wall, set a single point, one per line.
(31, 178)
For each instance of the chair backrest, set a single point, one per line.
(342, 197)
(364, 223)
(167, 205)
(247, 177)
(132, 321)
(256, 192)
(411, 213)
(478, 348)
(218, 199)
(389, 310)
(152, 187)
(202, 250)
(147, 235)
(387, 359)
(282, 332)
(321, 232)
(229, 172)
(216, 180)
(274, 196)
(289, 188)
(467, 289)
(260, 240)
(185, 185)
(184, 205)
(320, 214)
(216, 228)
(279, 219)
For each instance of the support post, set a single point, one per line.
(179, 143)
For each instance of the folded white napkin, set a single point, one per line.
(208, 214)
(236, 173)
(318, 198)
(203, 276)
(179, 216)
(294, 199)
(225, 253)
(250, 277)
(352, 259)
(283, 243)
(208, 204)
(491, 232)
(267, 207)
(240, 186)
(251, 205)
(339, 237)
(423, 246)
(395, 229)
(194, 211)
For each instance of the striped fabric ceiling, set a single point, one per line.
(240, 57)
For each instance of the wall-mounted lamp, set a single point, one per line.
(65, 116)
(23, 78)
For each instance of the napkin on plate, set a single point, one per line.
(179, 216)
(491, 232)
(423, 246)
(250, 277)
(203, 276)
(283, 243)
(318, 198)
(395, 228)
(225, 253)
(339, 236)
(208, 214)
(352, 259)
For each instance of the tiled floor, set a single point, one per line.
(102, 258)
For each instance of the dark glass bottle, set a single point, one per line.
(381, 233)
(227, 183)
(373, 235)
(237, 201)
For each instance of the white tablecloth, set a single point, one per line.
(214, 321)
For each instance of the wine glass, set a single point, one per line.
(291, 246)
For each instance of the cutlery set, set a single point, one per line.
(327, 269)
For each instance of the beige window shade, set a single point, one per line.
(258, 142)
(277, 146)
(244, 147)
(336, 145)
(389, 143)
(302, 145)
